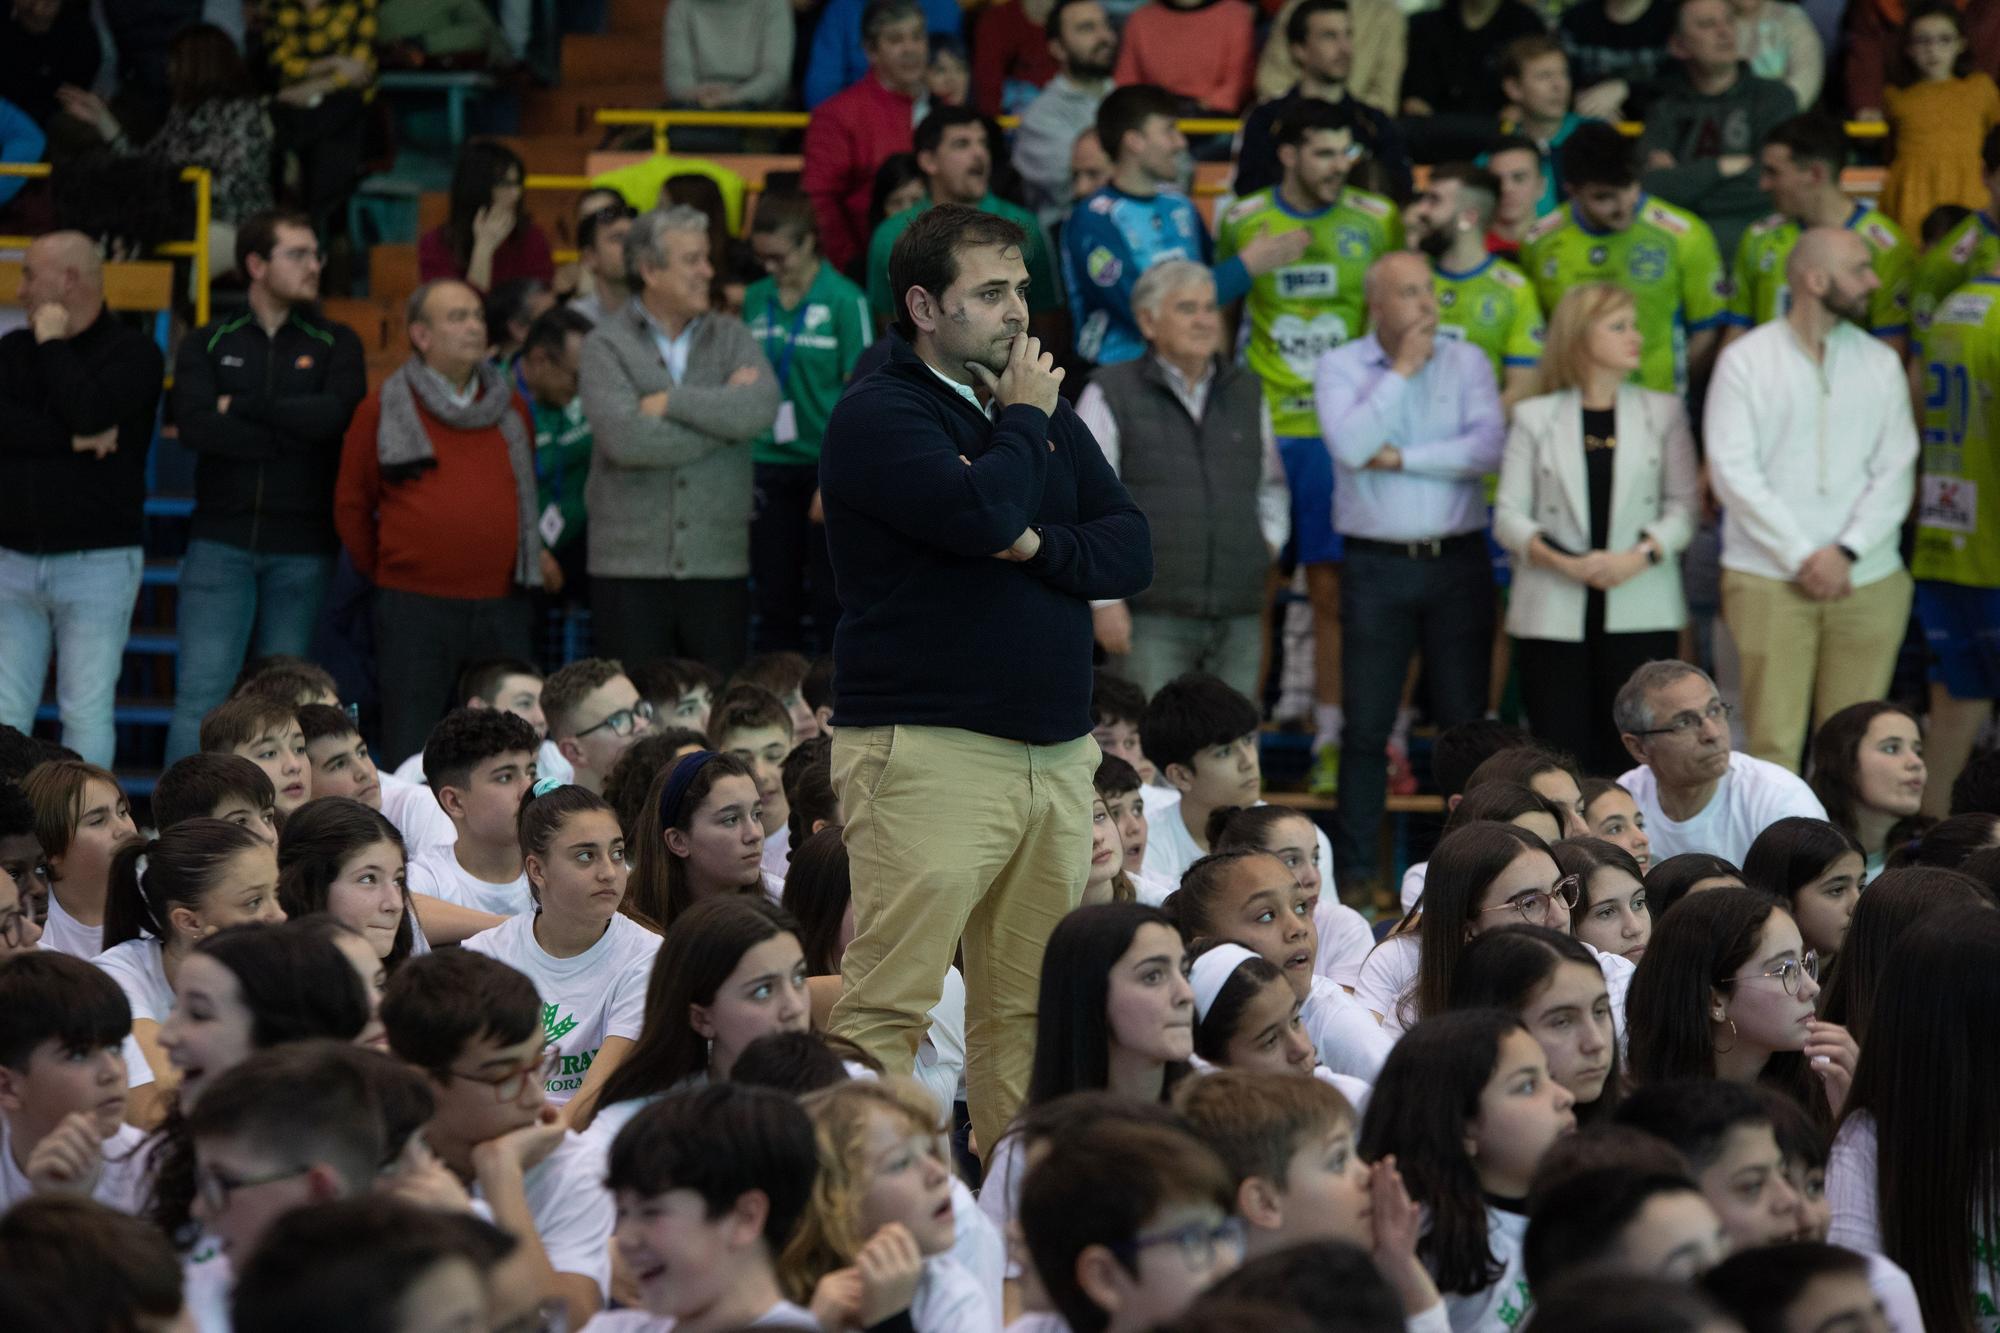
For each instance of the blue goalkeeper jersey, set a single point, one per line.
(1110, 239)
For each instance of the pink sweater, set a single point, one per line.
(1206, 53)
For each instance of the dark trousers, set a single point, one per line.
(422, 644)
(790, 571)
(329, 141)
(1391, 607)
(1568, 688)
(641, 620)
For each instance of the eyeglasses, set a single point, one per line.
(1789, 971)
(1684, 724)
(1198, 1242)
(304, 254)
(623, 722)
(1534, 907)
(214, 1188)
(510, 1086)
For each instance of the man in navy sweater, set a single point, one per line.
(966, 550)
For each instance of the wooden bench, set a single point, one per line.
(135, 285)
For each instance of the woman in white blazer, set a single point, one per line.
(1596, 502)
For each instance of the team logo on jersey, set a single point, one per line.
(1549, 267)
(1597, 255)
(1104, 267)
(1351, 242)
(1300, 341)
(1306, 282)
(1447, 298)
(817, 315)
(1489, 309)
(1647, 263)
(1767, 261)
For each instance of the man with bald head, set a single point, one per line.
(1813, 452)
(1413, 422)
(436, 506)
(78, 395)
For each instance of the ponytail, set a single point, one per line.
(182, 865)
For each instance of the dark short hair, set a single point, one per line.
(1127, 110)
(1513, 143)
(788, 212)
(807, 774)
(1191, 713)
(49, 996)
(931, 129)
(1757, 1286)
(1812, 138)
(1313, 115)
(602, 216)
(722, 1142)
(1460, 750)
(1976, 790)
(242, 719)
(926, 254)
(746, 708)
(467, 737)
(258, 234)
(1114, 777)
(481, 680)
(551, 331)
(99, 1268)
(282, 676)
(1299, 26)
(1578, 1222)
(1115, 699)
(879, 14)
(1052, 27)
(315, 1099)
(1694, 1115)
(194, 785)
(319, 721)
(1598, 154)
(439, 1003)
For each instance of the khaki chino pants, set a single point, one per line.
(956, 837)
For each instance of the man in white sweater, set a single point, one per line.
(1696, 794)
(1813, 453)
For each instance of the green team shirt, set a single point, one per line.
(1958, 507)
(1970, 248)
(1758, 292)
(1043, 293)
(1666, 259)
(1311, 306)
(1494, 308)
(813, 347)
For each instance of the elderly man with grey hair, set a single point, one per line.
(674, 395)
(1697, 794)
(1190, 436)
(1413, 422)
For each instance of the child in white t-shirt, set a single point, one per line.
(265, 730)
(593, 715)
(342, 766)
(1344, 934)
(200, 876)
(710, 1184)
(589, 962)
(884, 1203)
(63, 1024)
(480, 762)
(345, 859)
(82, 818)
(752, 724)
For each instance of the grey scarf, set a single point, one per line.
(404, 448)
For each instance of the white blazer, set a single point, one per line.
(1545, 488)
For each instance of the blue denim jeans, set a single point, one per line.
(80, 604)
(230, 599)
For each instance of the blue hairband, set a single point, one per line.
(685, 771)
(543, 787)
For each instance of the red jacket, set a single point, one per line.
(852, 133)
(1006, 45)
(449, 531)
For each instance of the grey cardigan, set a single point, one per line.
(670, 498)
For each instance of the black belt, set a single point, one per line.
(1425, 548)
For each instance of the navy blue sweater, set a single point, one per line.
(933, 630)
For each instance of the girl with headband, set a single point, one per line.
(701, 836)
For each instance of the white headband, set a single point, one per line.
(1211, 972)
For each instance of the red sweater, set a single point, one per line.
(1207, 54)
(449, 531)
(852, 133)
(1007, 45)
(524, 254)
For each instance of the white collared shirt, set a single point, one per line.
(673, 347)
(1807, 454)
(962, 390)
(459, 397)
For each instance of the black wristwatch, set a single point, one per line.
(1654, 555)
(1852, 558)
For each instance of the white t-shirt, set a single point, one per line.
(549, 763)
(65, 934)
(782, 1315)
(1413, 883)
(207, 1282)
(599, 993)
(1150, 889)
(438, 873)
(1851, 1193)
(1748, 799)
(778, 854)
(1501, 1305)
(138, 969)
(1345, 1034)
(122, 1185)
(1154, 797)
(1389, 978)
(573, 1211)
(940, 1063)
(977, 1245)
(1345, 939)
(1171, 849)
(412, 807)
(950, 1300)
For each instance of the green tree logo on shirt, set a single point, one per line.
(553, 1028)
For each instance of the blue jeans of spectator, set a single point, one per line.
(80, 604)
(234, 603)
(1391, 607)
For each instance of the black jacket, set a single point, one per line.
(265, 469)
(933, 630)
(52, 498)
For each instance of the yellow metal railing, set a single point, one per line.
(196, 249)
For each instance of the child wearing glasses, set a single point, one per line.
(479, 1030)
(1466, 1108)
(588, 960)
(479, 762)
(594, 713)
(877, 1238)
(63, 1084)
(1726, 991)
(1482, 877)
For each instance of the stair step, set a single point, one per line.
(154, 644)
(169, 506)
(127, 712)
(161, 574)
